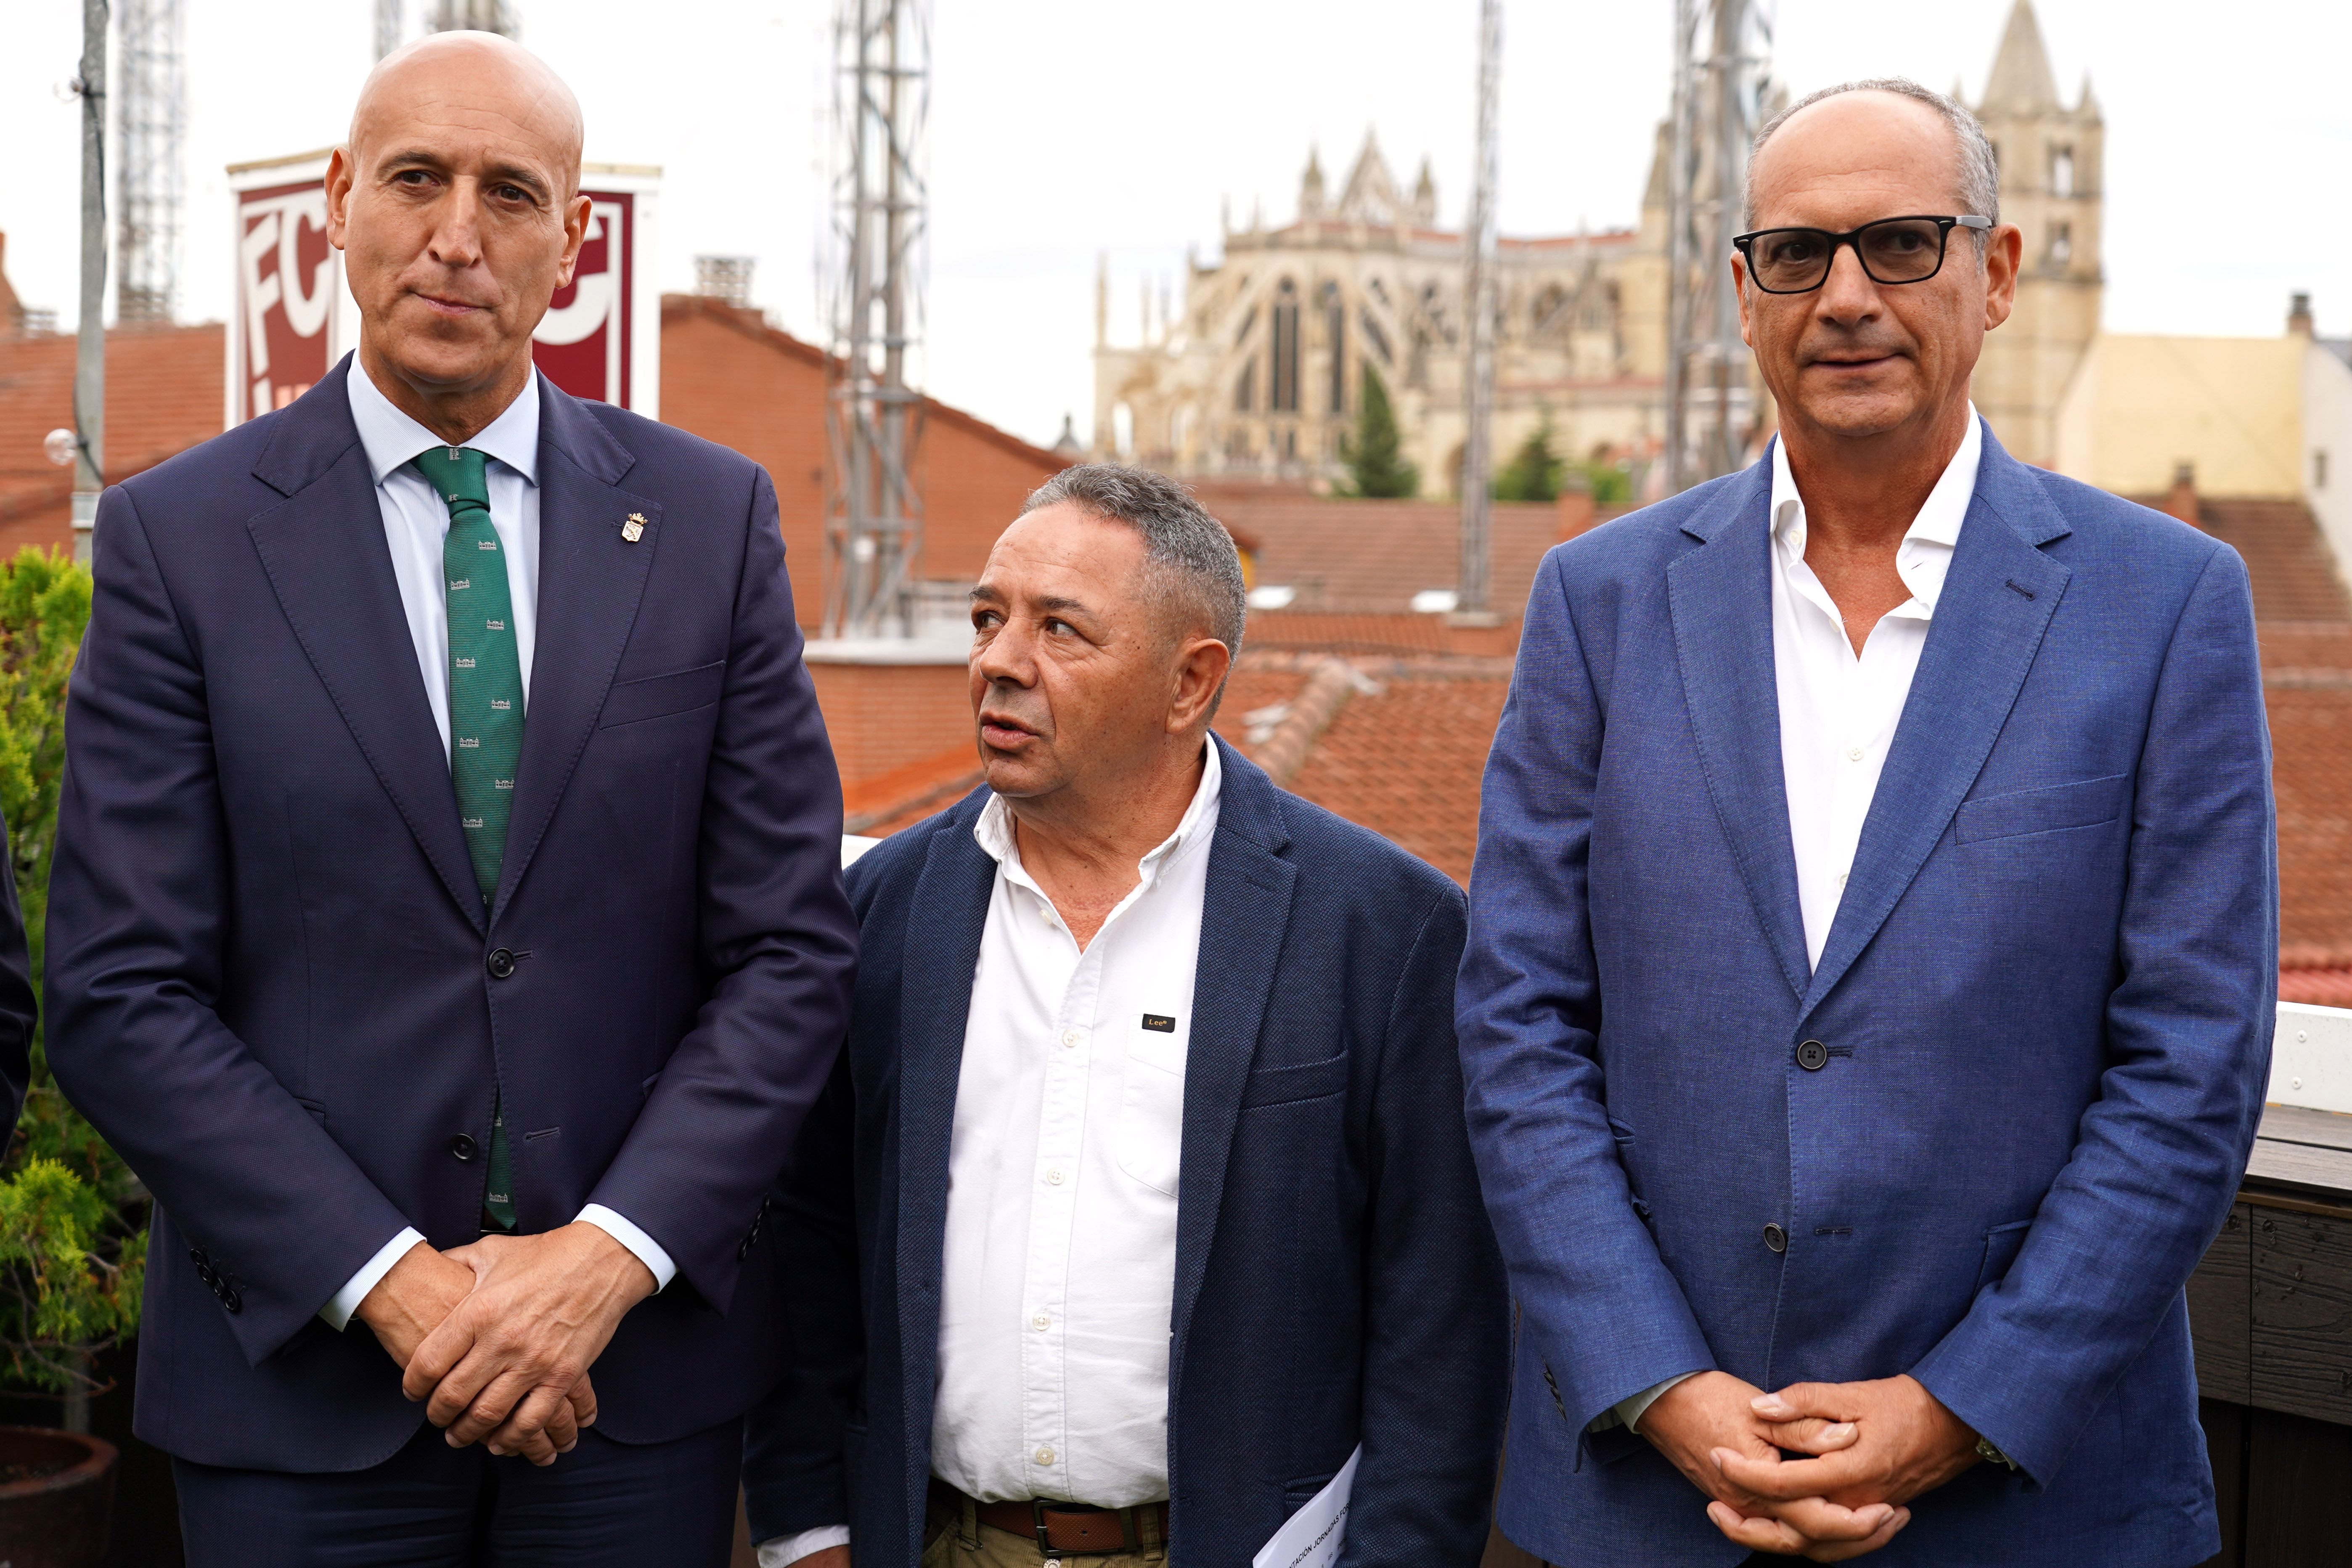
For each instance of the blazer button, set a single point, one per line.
(1813, 1056)
(1776, 1239)
(462, 1146)
(501, 964)
(231, 1300)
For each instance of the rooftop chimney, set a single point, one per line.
(726, 278)
(2298, 316)
(2182, 502)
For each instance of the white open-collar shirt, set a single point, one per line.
(1838, 708)
(415, 524)
(1060, 1262)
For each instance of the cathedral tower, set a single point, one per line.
(2051, 158)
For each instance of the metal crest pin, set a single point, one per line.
(635, 529)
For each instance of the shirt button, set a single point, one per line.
(1052, 1178)
(1853, 754)
(1072, 1036)
(1040, 1322)
(1044, 1456)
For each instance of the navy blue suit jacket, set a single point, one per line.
(2046, 999)
(1336, 1279)
(270, 968)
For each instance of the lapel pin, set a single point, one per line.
(635, 529)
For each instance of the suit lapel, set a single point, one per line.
(590, 583)
(323, 551)
(1245, 913)
(1997, 602)
(1720, 596)
(943, 955)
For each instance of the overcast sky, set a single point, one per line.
(1061, 129)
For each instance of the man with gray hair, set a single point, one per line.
(1869, 988)
(1163, 1202)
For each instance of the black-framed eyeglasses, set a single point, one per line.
(1892, 250)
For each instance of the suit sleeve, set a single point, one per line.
(1437, 1317)
(1598, 1305)
(138, 895)
(778, 946)
(2161, 1152)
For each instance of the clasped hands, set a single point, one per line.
(498, 1336)
(1871, 1447)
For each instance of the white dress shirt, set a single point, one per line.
(416, 523)
(1839, 708)
(1059, 1272)
(1058, 1277)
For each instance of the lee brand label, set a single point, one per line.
(1159, 1022)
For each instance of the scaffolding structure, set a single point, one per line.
(152, 85)
(873, 519)
(1723, 51)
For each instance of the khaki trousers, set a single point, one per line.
(953, 1537)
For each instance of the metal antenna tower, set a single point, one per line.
(154, 86)
(874, 523)
(388, 19)
(1722, 64)
(497, 16)
(1470, 605)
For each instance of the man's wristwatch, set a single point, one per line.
(1991, 1455)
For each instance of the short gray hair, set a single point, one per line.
(1188, 558)
(1980, 188)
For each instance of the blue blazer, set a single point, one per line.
(273, 983)
(1335, 1279)
(2046, 997)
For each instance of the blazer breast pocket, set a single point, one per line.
(1288, 1086)
(2086, 802)
(659, 696)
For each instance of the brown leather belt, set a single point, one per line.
(1066, 1529)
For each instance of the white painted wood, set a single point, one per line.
(2311, 1057)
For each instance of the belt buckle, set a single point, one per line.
(1038, 1519)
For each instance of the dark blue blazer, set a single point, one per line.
(1335, 1279)
(2047, 1001)
(274, 987)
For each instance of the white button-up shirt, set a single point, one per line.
(1060, 1267)
(1839, 708)
(416, 523)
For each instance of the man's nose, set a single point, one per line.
(1847, 294)
(1007, 656)
(456, 239)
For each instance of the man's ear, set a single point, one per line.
(339, 195)
(576, 212)
(1200, 667)
(2004, 248)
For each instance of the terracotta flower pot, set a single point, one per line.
(56, 1498)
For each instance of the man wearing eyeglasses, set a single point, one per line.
(1872, 953)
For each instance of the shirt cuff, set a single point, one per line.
(339, 1309)
(1628, 1413)
(649, 1251)
(783, 1550)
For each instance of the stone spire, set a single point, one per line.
(1425, 196)
(2022, 82)
(1310, 187)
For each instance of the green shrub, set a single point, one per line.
(73, 1219)
(1376, 468)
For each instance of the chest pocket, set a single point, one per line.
(1152, 1109)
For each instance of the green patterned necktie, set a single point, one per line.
(485, 709)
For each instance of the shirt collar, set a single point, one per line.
(994, 830)
(1926, 553)
(390, 439)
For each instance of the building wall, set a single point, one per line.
(2327, 447)
(2137, 407)
(882, 717)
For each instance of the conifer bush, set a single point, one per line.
(73, 1219)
